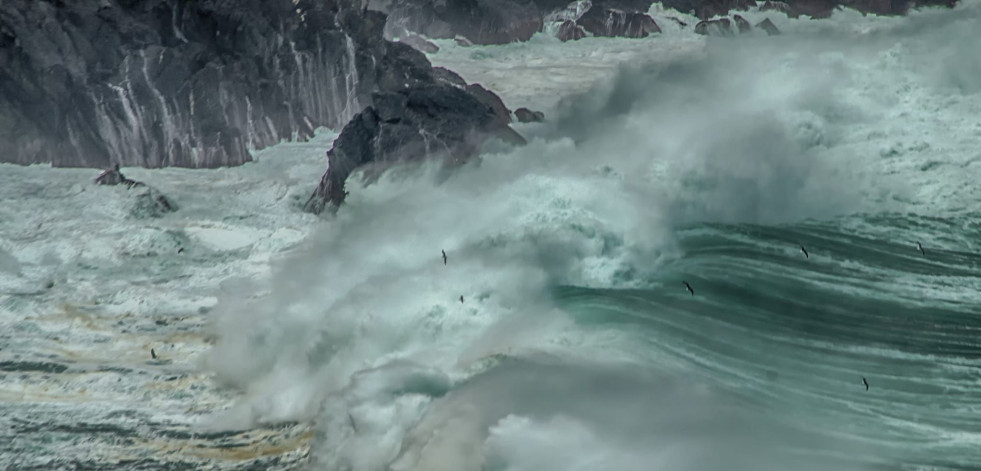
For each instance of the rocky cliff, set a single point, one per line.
(504, 21)
(177, 83)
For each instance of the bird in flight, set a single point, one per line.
(444, 256)
(918, 244)
(802, 249)
(153, 354)
(688, 286)
(866, 384)
(461, 299)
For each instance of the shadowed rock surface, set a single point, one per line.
(437, 120)
(148, 202)
(192, 84)
(605, 21)
(525, 115)
(570, 31)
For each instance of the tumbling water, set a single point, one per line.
(576, 345)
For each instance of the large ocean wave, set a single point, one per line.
(576, 346)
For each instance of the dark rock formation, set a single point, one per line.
(488, 98)
(768, 26)
(717, 27)
(436, 120)
(570, 31)
(706, 9)
(605, 21)
(148, 202)
(442, 74)
(176, 83)
(525, 115)
(742, 24)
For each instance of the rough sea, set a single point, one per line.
(559, 335)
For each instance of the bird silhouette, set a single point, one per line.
(461, 299)
(688, 286)
(802, 249)
(444, 256)
(918, 244)
(153, 354)
(866, 384)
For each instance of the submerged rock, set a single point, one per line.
(148, 202)
(435, 120)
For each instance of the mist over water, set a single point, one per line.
(576, 345)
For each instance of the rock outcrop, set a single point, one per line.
(570, 31)
(602, 20)
(147, 202)
(525, 115)
(437, 120)
(176, 83)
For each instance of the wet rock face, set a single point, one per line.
(606, 21)
(174, 83)
(570, 31)
(436, 120)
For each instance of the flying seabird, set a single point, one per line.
(802, 249)
(866, 384)
(461, 299)
(918, 244)
(444, 256)
(689, 288)
(153, 354)
(180, 250)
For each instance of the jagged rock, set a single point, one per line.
(462, 41)
(525, 115)
(605, 21)
(111, 176)
(570, 31)
(442, 74)
(490, 99)
(418, 43)
(435, 120)
(742, 24)
(781, 7)
(89, 83)
(149, 203)
(718, 27)
(768, 26)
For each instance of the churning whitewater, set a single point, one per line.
(559, 333)
(576, 344)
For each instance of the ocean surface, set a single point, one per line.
(559, 334)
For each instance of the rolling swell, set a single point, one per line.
(794, 336)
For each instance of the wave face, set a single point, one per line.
(576, 346)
